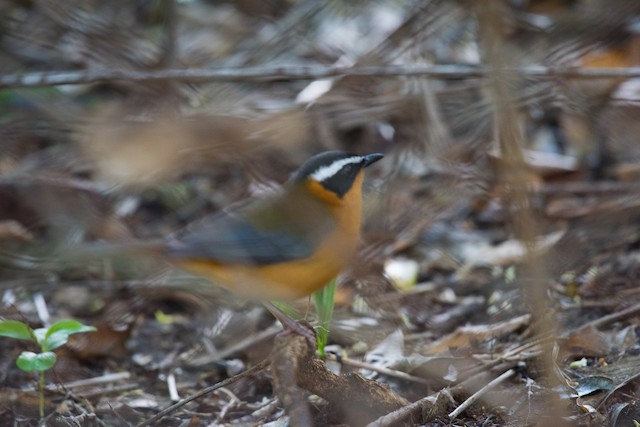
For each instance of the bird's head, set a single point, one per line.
(334, 173)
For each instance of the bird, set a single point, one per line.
(285, 245)
(279, 247)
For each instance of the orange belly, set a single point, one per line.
(279, 281)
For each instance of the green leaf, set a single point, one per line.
(288, 310)
(58, 333)
(39, 334)
(324, 302)
(29, 361)
(69, 327)
(17, 330)
(54, 341)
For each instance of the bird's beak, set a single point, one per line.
(371, 158)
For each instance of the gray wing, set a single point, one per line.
(251, 239)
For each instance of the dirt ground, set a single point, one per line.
(495, 280)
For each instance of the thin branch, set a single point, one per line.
(266, 74)
(477, 395)
(628, 312)
(379, 369)
(400, 416)
(263, 364)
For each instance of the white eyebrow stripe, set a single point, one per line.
(325, 172)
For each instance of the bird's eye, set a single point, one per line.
(344, 172)
(349, 170)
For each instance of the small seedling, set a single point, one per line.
(48, 339)
(324, 302)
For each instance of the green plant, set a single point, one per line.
(48, 339)
(324, 302)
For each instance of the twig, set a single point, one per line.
(378, 369)
(478, 394)
(603, 187)
(101, 392)
(263, 364)
(108, 378)
(265, 74)
(173, 389)
(617, 387)
(632, 311)
(249, 341)
(430, 404)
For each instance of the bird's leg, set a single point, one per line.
(306, 313)
(292, 326)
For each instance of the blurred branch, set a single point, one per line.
(510, 137)
(443, 72)
(170, 31)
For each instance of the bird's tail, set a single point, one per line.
(74, 254)
(109, 249)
